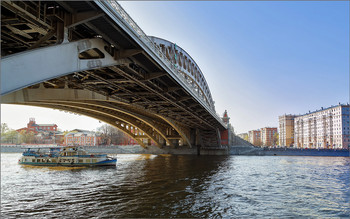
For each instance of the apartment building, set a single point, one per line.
(267, 136)
(82, 138)
(286, 130)
(324, 128)
(254, 137)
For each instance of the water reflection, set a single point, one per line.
(180, 186)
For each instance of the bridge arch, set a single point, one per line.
(186, 65)
(156, 127)
(108, 61)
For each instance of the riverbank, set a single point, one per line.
(257, 151)
(243, 150)
(116, 149)
(305, 152)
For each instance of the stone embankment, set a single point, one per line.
(242, 147)
(125, 149)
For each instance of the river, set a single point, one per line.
(154, 186)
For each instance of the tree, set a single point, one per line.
(4, 128)
(8, 135)
(276, 138)
(27, 137)
(111, 135)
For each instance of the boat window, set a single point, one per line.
(88, 160)
(25, 159)
(81, 161)
(37, 160)
(94, 160)
(54, 160)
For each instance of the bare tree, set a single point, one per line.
(111, 135)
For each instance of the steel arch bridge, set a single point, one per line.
(91, 58)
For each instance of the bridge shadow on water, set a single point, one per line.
(139, 186)
(159, 186)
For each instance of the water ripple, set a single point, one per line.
(154, 186)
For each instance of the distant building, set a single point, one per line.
(286, 130)
(36, 128)
(79, 137)
(267, 136)
(254, 137)
(243, 136)
(325, 128)
(43, 133)
(49, 137)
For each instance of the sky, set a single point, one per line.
(261, 59)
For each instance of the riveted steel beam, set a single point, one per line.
(150, 131)
(95, 112)
(23, 69)
(114, 122)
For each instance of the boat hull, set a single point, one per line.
(105, 163)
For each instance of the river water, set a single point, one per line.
(154, 186)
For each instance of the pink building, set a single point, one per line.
(254, 137)
(267, 136)
(32, 126)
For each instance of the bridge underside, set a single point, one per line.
(116, 81)
(140, 122)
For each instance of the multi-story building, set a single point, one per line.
(49, 137)
(254, 137)
(82, 138)
(286, 130)
(267, 136)
(325, 128)
(36, 128)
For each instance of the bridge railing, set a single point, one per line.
(205, 98)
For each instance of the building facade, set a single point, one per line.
(36, 128)
(325, 128)
(82, 138)
(286, 130)
(254, 137)
(267, 136)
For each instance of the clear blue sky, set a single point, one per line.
(260, 59)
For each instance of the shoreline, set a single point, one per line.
(234, 150)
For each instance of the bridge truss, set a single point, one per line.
(90, 58)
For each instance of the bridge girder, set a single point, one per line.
(107, 119)
(72, 99)
(44, 64)
(120, 64)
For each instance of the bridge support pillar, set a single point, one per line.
(162, 142)
(193, 136)
(175, 143)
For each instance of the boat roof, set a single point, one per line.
(56, 147)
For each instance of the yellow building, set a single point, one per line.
(286, 130)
